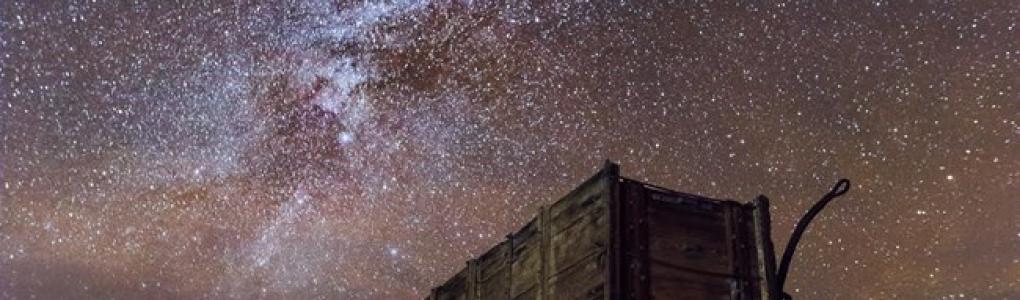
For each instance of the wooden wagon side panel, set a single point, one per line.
(526, 261)
(578, 238)
(616, 238)
(699, 248)
(457, 287)
(492, 276)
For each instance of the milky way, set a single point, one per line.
(364, 150)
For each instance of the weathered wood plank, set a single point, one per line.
(689, 238)
(526, 260)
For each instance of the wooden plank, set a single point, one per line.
(565, 213)
(493, 273)
(456, 288)
(765, 250)
(618, 268)
(585, 280)
(587, 235)
(631, 270)
(578, 239)
(673, 283)
(526, 260)
(493, 262)
(692, 239)
(745, 260)
(543, 225)
(531, 294)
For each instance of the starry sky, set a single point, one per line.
(363, 150)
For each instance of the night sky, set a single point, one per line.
(364, 150)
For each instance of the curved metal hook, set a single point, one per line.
(839, 189)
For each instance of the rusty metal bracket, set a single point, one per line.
(839, 189)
